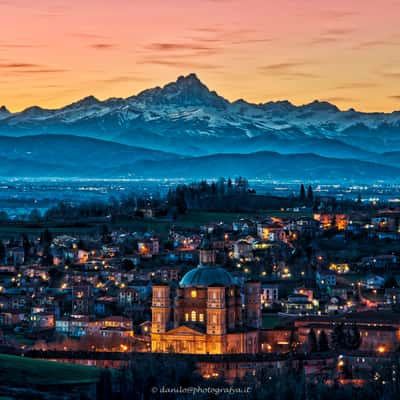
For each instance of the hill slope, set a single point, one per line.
(79, 157)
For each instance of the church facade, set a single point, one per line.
(207, 314)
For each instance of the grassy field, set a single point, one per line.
(15, 230)
(192, 219)
(271, 321)
(21, 371)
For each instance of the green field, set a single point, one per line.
(271, 321)
(192, 219)
(23, 371)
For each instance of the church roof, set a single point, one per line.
(207, 275)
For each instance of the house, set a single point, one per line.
(384, 261)
(335, 305)
(297, 304)
(271, 230)
(128, 296)
(269, 294)
(11, 318)
(42, 321)
(374, 282)
(326, 279)
(75, 326)
(145, 328)
(332, 220)
(185, 254)
(341, 291)
(306, 227)
(392, 296)
(16, 255)
(242, 249)
(104, 305)
(115, 321)
(149, 247)
(116, 332)
(244, 225)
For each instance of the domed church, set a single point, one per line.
(207, 315)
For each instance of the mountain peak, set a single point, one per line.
(279, 106)
(185, 91)
(35, 111)
(4, 110)
(192, 78)
(318, 105)
(85, 102)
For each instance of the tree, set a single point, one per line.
(349, 339)
(26, 244)
(310, 195)
(391, 282)
(3, 216)
(353, 338)
(35, 215)
(127, 264)
(104, 385)
(293, 341)
(312, 341)
(2, 251)
(338, 337)
(46, 238)
(323, 344)
(229, 185)
(302, 193)
(105, 234)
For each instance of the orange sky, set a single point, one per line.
(346, 52)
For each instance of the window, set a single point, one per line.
(193, 294)
(186, 316)
(194, 316)
(201, 317)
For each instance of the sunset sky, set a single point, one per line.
(346, 52)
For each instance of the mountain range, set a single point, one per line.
(185, 130)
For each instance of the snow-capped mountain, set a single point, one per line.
(186, 117)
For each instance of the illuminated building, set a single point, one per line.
(207, 315)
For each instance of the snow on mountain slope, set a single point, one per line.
(185, 116)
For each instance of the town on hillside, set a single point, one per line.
(237, 287)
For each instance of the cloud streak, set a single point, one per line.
(179, 64)
(356, 85)
(21, 68)
(290, 69)
(332, 35)
(102, 46)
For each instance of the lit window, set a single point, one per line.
(194, 316)
(201, 317)
(186, 316)
(193, 293)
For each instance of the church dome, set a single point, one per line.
(206, 275)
